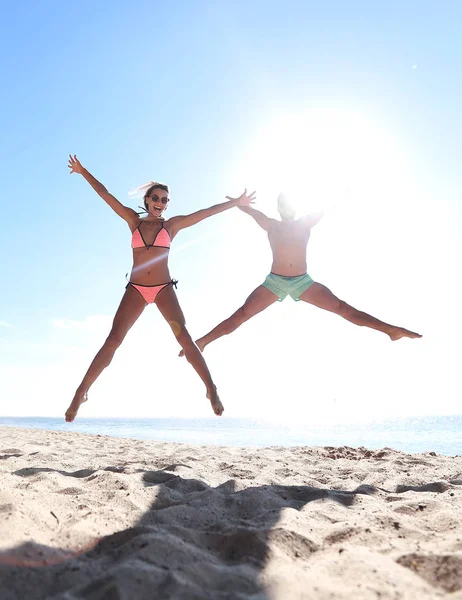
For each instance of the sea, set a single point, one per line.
(440, 434)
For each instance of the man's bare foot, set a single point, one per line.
(73, 409)
(200, 343)
(399, 332)
(215, 401)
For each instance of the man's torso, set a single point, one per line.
(288, 241)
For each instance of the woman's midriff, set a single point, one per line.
(150, 266)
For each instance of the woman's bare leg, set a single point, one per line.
(130, 308)
(167, 303)
(321, 296)
(258, 300)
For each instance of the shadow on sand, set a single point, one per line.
(195, 542)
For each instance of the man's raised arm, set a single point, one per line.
(259, 217)
(311, 219)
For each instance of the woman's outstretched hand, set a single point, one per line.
(244, 199)
(74, 165)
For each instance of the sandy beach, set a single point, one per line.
(95, 517)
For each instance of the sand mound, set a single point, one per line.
(100, 518)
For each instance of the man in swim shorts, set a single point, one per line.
(288, 238)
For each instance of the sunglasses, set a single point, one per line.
(164, 199)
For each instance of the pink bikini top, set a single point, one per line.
(161, 240)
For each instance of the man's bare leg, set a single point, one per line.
(258, 300)
(167, 303)
(130, 308)
(319, 295)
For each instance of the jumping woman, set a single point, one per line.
(150, 281)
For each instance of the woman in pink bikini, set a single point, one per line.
(150, 281)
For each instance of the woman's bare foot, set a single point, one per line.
(73, 409)
(199, 343)
(399, 332)
(215, 401)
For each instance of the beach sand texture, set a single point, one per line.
(101, 518)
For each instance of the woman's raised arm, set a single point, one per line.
(127, 213)
(183, 221)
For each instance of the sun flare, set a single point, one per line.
(321, 158)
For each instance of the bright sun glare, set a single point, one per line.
(322, 158)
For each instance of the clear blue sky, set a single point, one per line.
(212, 97)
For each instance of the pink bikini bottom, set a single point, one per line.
(149, 292)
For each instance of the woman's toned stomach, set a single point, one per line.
(150, 266)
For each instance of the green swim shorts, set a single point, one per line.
(287, 286)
